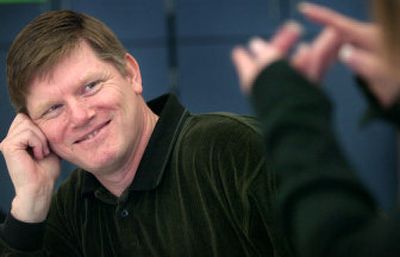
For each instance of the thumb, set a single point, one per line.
(301, 59)
(245, 68)
(381, 81)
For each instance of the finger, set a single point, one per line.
(37, 147)
(31, 139)
(286, 36)
(301, 57)
(37, 132)
(351, 30)
(279, 45)
(325, 50)
(23, 125)
(19, 118)
(381, 81)
(360, 61)
(263, 52)
(245, 66)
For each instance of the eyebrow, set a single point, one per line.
(38, 111)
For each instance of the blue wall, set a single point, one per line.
(206, 31)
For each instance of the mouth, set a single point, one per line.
(93, 133)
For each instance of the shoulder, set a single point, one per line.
(225, 133)
(222, 124)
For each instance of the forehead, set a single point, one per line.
(70, 71)
(79, 57)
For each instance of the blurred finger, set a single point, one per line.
(383, 83)
(360, 61)
(301, 57)
(263, 52)
(325, 48)
(286, 36)
(245, 67)
(351, 30)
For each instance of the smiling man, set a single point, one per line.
(153, 179)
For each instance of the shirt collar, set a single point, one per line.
(155, 158)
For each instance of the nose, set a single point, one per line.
(80, 113)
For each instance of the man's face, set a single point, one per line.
(91, 115)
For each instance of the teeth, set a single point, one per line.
(91, 135)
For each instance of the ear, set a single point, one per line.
(133, 73)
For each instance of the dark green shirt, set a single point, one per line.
(202, 189)
(322, 207)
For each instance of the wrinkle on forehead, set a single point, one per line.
(46, 71)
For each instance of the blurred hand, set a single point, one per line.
(361, 50)
(311, 59)
(33, 169)
(249, 62)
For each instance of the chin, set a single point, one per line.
(99, 164)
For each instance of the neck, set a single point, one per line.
(118, 181)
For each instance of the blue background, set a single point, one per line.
(188, 52)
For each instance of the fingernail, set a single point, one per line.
(294, 25)
(345, 52)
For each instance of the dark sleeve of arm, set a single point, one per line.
(22, 236)
(321, 206)
(48, 239)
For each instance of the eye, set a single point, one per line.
(92, 87)
(53, 111)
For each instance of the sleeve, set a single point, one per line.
(20, 235)
(321, 206)
(48, 239)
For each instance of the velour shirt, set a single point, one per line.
(202, 189)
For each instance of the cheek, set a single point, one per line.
(54, 132)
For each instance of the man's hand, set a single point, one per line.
(33, 169)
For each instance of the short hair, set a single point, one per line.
(50, 37)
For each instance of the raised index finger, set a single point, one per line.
(352, 31)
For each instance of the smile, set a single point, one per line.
(92, 134)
